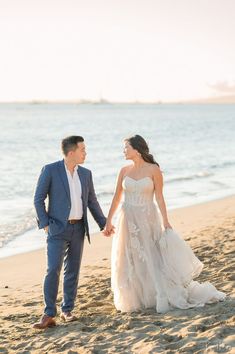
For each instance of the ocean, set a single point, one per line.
(194, 145)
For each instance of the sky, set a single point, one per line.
(119, 50)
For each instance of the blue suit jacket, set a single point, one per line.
(53, 182)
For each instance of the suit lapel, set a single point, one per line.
(64, 178)
(82, 180)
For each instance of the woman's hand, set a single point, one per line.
(167, 225)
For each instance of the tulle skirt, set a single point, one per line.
(155, 268)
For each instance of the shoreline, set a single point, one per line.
(32, 244)
(202, 213)
(210, 230)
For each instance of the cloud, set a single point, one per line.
(223, 86)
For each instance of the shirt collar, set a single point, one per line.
(75, 168)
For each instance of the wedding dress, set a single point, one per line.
(152, 267)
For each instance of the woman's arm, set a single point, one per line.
(115, 202)
(158, 184)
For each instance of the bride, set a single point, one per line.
(152, 266)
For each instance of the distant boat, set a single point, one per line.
(102, 101)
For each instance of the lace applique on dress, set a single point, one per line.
(135, 241)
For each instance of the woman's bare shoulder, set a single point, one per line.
(125, 169)
(156, 171)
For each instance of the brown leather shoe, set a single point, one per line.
(68, 317)
(45, 322)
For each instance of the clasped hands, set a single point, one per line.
(109, 229)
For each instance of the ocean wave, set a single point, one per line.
(224, 164)
(203, 174)
(104, 194)
(11, 230)
(220, 184)
(189, 194)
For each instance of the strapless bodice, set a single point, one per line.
(138, 192)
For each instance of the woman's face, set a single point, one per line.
(128, 151)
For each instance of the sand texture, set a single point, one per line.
(100, 328)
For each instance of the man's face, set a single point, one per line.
(79, 154)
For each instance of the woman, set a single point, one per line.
(151, 265)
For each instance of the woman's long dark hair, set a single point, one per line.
(138, 143)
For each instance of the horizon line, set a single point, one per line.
(218, 99)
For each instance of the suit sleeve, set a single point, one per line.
(94, 206)
(41, 192)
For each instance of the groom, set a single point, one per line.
(69, 188)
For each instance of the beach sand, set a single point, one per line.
(210, 230)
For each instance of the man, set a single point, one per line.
(69, 188)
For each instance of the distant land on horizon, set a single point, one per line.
(218, 99)
(209, 100)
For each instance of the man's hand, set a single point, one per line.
(46, 229)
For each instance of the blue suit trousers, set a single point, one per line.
(64, 248)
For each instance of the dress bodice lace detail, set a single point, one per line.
(138, 192)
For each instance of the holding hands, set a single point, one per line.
(109, 229)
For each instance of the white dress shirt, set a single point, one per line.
(76, 211)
